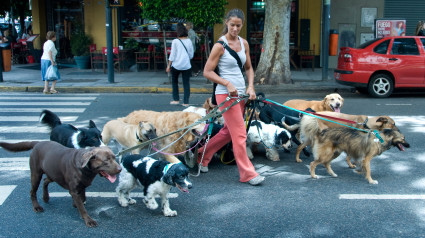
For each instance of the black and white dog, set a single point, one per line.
(273, 137)
(283, 117)
(69, 135)
(156, 176)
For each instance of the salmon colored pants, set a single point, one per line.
(234, 131)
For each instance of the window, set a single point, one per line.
(404, 46)
(382, 47)
(423, 41)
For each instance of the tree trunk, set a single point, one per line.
(274, 67)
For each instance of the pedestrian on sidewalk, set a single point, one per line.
(230, 81)
(194, 38)
(49, 58)
(179, 62)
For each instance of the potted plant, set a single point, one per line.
(80, 48)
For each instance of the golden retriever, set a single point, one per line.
(332, 102)
(311, 126)
(166, 122)
(362, 146)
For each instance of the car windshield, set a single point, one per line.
(366, 44)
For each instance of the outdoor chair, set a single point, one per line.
(307, 56)
(143, 58)
(96, 57)
(116, 58)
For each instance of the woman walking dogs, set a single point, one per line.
(48, 58)
(231, 82)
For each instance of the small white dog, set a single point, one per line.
(273, 137)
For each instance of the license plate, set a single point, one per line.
(337, 75)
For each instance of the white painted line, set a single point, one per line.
(5, 191)
(20, 140)
(14, 164)
(47, 98)
(382, 196)
(32, 118)
(39, 109)
(105, 194)
(24, 129)
(45, 103)
(398, 104)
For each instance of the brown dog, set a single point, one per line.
(128, 135)
(73, 169)
(311, 126)
(331, 142)
(166, 122)
(332, 102)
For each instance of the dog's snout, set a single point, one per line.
(338, 104)
(189, 184)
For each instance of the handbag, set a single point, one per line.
(52, 73)
(236, 56)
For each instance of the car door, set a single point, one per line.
(406, 62)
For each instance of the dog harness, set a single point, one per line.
(169, 166)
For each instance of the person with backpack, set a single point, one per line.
(230, 54)
(179, 62)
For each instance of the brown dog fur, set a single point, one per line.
(331, 142)
(128, 135)
(73, 169)
(311, 126)
(332, 102)
(166, 122)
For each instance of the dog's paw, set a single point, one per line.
(299, 160)
(151, 204)
(123, 202)
(90, 222)
(334, 175)
(131, 201)
(170, 213)
(38, 209)
(315, 176)
(373, 181)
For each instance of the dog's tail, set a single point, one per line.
(49, 118)
(309, 128)
(20, 146)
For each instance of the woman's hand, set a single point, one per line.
(168, 69)
(251, 92)
(233, 92)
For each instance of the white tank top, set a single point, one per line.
(229, 69)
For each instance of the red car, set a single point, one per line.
(381, 65)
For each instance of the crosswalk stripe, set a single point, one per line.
(14, 163)
(39, 109)
(105, 194)
(24, 129)
(5, 191)
(45, 103)
(34, 118)
(20, 140)
(47, 98)
(382, 196)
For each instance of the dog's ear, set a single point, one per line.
(382, 119)
(168, 176)
(87, 157)
(92, 124)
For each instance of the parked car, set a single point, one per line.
(381, 65)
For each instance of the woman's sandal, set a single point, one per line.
(53, 91)
(46, 92)
(174, 102)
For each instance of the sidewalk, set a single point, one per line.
(26, 78)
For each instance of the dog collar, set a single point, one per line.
(365, 123)
(169, 166)
(138, 138)
(376, 133)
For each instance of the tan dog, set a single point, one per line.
(311, 126)
(208, 105)
(166, 122)
(332, 102)
(331, 142)
(128, 135)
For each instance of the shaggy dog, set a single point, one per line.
(332, 102)
(166, 122)
(156, 176)
(128, 135)
(271, 135)
(73, 169)
(69, 135)
(331, 142)
(311, 126)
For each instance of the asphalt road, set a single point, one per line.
(288, 204)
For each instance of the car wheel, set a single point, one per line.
(381, 86)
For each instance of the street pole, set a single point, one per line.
(325, 38)
(109, 55)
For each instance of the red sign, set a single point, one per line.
(390, 28)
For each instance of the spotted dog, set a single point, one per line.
(156, 176)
